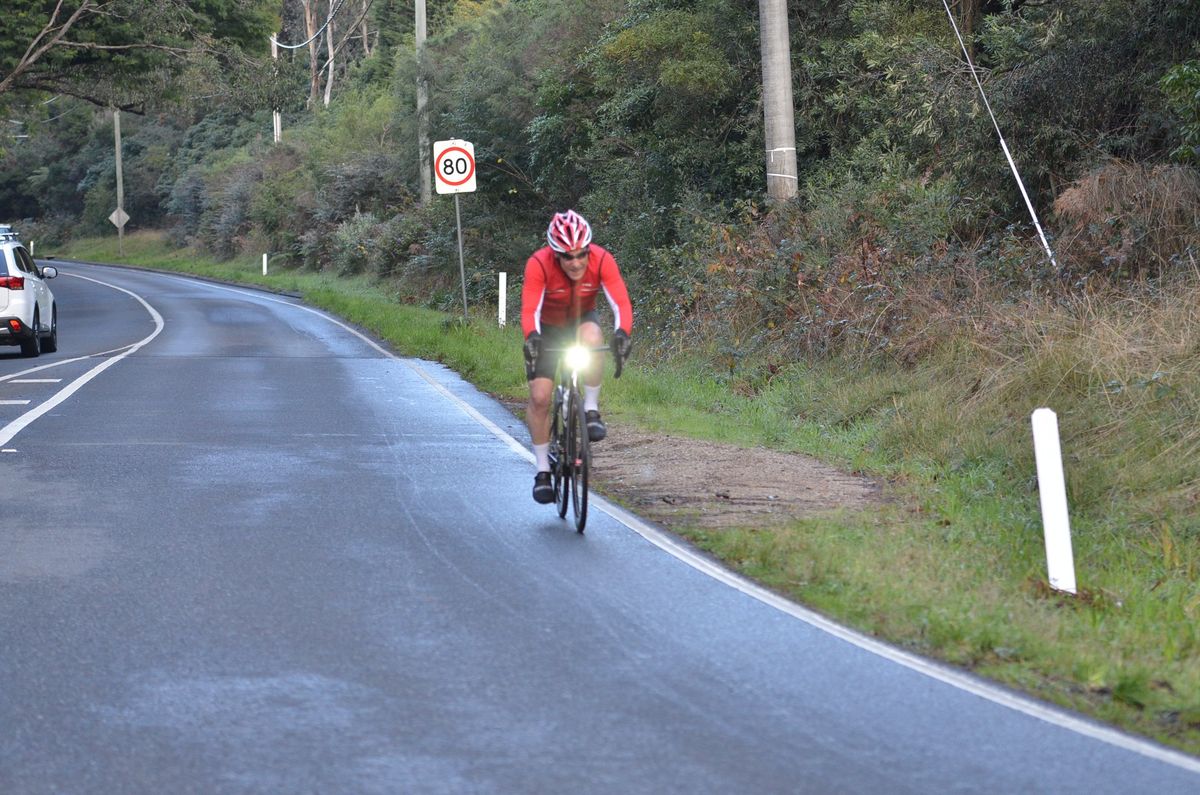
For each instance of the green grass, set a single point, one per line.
(953, 566)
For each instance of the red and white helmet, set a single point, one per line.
(568, 231)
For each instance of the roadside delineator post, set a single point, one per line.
(503, 302)
(1052, 490)
(264, 264)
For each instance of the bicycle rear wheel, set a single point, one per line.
(581, 462)
(559, 470)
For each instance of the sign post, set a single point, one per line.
(454, 172)
(119, 216)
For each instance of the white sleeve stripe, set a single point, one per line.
(537, 313)
(615, 309)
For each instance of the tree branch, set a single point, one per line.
(34, 52)
(87, 45)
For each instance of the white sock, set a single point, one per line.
(542, 453)
(591, 398)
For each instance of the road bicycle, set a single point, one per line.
(570, 449)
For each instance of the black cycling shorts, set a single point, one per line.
(556, 337)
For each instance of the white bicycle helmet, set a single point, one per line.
(568, 231)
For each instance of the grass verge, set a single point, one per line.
(954, 568)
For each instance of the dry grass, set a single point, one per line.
(1129, 218)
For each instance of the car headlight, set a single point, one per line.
(578, 357)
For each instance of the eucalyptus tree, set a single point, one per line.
(124, 53)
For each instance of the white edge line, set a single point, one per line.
(61, 362)
(25, 420)
(670, 545)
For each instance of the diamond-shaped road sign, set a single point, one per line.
(119, 218)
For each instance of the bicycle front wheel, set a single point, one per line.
(560, 470)
(581, 463)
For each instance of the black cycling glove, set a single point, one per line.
(533, 349)
(621, 346)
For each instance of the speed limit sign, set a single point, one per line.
(454, 166)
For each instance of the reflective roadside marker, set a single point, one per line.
(1052, 489)
(503, 295)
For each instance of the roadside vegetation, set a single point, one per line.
(899, 318)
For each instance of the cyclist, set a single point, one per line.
(558, 308)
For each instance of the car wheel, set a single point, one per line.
(33, 345)
(50, 344)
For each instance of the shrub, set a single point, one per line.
(354, 243)
(281, 208)
(186, 204)
(226, 218)
(1182, 87)
(1128, 219)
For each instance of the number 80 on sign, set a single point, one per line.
(454, 166)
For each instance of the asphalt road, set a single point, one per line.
(242, 549)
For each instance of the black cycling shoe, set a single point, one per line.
(596, 427)
(543, 491)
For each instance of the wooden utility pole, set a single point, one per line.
(422, 115)
(778, 112)
(120, 184)
(276, 118)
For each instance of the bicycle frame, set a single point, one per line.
(570, 451)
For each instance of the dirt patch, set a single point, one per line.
(672, 480)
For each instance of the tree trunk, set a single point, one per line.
(778, 112)
(366, 34)
(423, 153)
(966, 13)
(314, 74)
(329, 65)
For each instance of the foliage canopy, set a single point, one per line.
(121, 53)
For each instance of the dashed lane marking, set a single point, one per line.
(10, 430)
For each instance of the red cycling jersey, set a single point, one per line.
(549, 296)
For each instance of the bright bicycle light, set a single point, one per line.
(578, 357)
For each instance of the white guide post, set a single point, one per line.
(503, 302)
(264, 264)
(1052, 489)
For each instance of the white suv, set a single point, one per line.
(28, 314)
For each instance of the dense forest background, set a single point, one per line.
(646, 117)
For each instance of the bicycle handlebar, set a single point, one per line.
(596, 349)
(618, 362)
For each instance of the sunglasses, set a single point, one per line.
(569, 257)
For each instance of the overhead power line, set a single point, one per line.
(305, 43)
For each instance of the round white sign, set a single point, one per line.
(454, 166)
